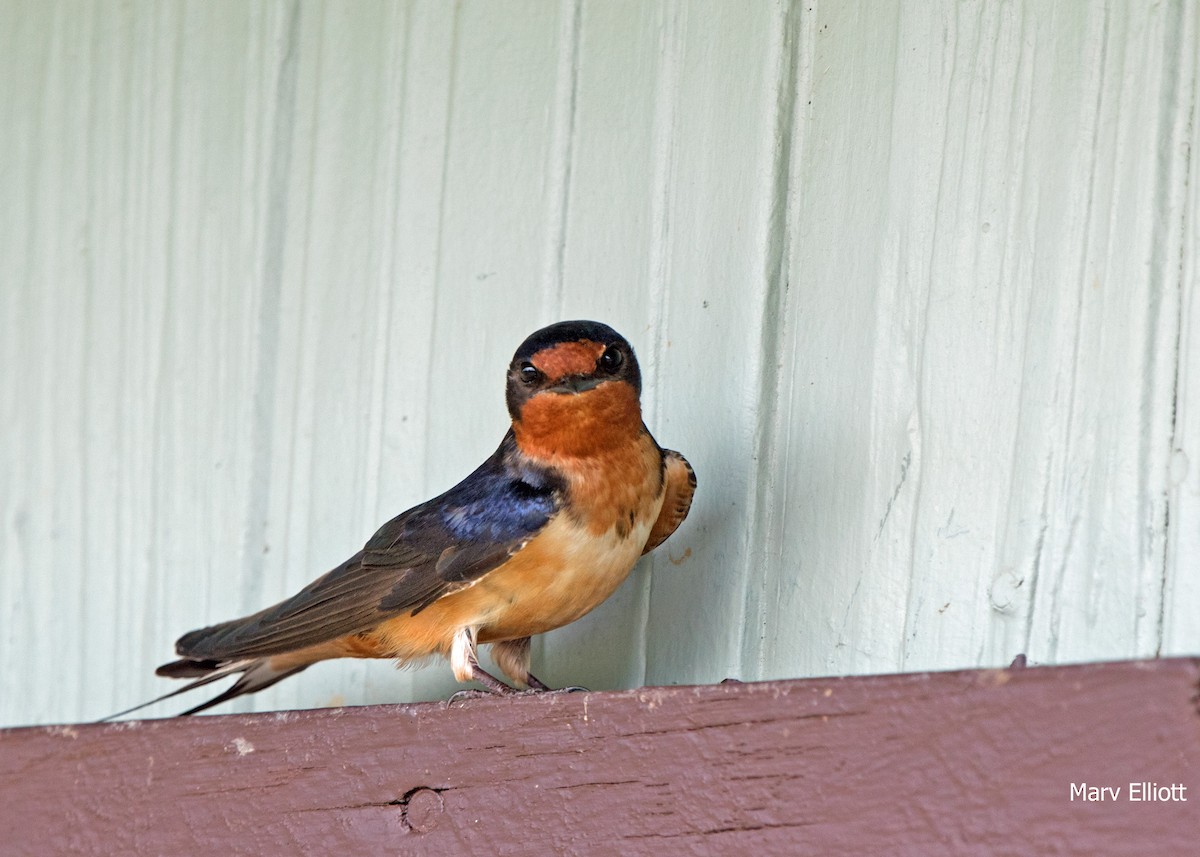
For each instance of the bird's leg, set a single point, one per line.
(466, 664)
(488, 680)
(512, 656)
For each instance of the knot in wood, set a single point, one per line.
(422, 809)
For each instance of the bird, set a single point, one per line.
(537, 536)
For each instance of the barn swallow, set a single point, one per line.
(539, 535)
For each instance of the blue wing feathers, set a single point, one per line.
(413, 560)
(505, 499)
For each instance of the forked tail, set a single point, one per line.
(256, 674)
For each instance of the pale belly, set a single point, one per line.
(558, 577)
(567, 574)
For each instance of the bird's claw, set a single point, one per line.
(469, 693)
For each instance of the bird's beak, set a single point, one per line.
(576, 384)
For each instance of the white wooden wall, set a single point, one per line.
(914, 286)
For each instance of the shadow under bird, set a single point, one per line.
(540, 534)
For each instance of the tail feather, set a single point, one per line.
(255, 677)
(256, 674)
(189, 668)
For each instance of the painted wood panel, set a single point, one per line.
(979, 367)
(913, 286)
(1181, 566)
(917, 764)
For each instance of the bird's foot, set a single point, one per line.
(469, 693)
(536, 685)
(472, 693)
(498, 689)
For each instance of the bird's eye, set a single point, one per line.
(611, 359)
(529, 373)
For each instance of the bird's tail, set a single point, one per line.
(256, 674)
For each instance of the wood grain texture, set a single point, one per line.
(978, 364)
(951, 763)
(913, 287)
(1181, 568)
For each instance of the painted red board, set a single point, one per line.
(978, 762)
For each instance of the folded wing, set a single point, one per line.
(679, 485)
(429, 551)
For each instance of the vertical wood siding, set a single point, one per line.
(913, 286)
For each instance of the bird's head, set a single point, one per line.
(574, 390)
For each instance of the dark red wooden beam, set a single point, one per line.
(978, 762)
